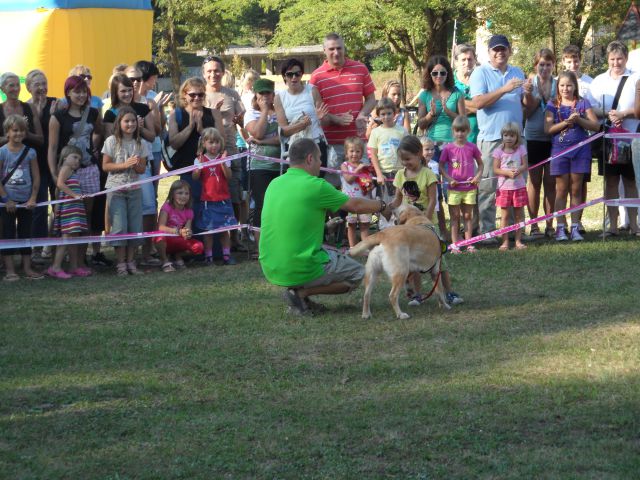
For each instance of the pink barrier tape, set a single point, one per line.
(511, 228)
(622, 135)
(128, 186)
(623, 202)
(53, 241)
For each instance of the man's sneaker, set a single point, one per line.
(297, 305)
(454, 299)
(100, 260)
(561, 235)
(416, 300)
(575, 234)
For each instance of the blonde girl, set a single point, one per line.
(124, 158)
(351, 168)
(70, 217)
(510, 164)
(217, 209)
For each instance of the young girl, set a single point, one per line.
(176, 216)
(217, 210)
(416, 184)
(568, 118)
(429, 153)
(124, 157)
(70, 217)
(509, 163)
(457, 167)
(353, 186)
(20, 180)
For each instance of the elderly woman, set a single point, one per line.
(262, 125)
(466, 61)
(538, 141)
(43, 107)
(612, 95)
(299, 108)
(186, 124)
(440, 102)
(10, 86)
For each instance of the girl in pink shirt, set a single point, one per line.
(176, 216)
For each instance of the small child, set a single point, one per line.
(70, 217)
(176, 216)
(429, 153)
(355, 186)
(458, 168)
(510, 163)
(383, 145)
(124, 157)
(416, 184)
(20, 182)
(217, 210)
(392, 90)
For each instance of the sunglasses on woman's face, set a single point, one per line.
(135, 79)
(438, 73)
(86, 77)
(293, 74)
(193, 96)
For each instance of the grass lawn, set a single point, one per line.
(201, 375)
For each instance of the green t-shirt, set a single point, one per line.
(424, 178)
(291, 235)
(440, 130)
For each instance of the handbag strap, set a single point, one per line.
(83, 122)
(23, 155)
(616, 99)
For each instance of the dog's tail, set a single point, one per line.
(366, 244)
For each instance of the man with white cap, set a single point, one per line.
(498, 91)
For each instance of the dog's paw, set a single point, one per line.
(403, 316)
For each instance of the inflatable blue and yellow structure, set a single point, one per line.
(56, 35)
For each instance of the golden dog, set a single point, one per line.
(412, 246)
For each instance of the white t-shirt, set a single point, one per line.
(604, 88)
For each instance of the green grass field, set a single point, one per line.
(201, 375)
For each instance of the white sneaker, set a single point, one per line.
(561, 235)
(575, 234)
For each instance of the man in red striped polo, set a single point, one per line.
(346, 87)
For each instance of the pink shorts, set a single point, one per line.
(512, 198)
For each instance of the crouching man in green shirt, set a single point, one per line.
(293, 216)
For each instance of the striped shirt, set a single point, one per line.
(343, 90)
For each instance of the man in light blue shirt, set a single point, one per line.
(498, 91)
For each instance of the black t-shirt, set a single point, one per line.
(85, 142)
(186, 154)
(141, 110)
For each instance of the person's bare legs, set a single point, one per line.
(631, 191)
(562, 190)
(352, 235)
(611, 191)
(549, 192)
(533, 193)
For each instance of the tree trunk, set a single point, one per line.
(175, 66)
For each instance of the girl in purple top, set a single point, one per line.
(461, 167)
(568, 118)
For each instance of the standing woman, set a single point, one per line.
(440, 102)
(262, 124)
(186, 124)
(605, 87)
(43, 107)
(10, 86)
(80, 122)
(538, 141)
(299, 108)
(466, 62)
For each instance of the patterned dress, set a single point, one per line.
(70, 216)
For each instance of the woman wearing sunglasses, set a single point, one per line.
(186, 124)
(440, 102)
(299, 108)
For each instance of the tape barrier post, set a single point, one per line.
(511, 228)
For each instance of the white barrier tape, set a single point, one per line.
(54, 241)
(623, 202)
(128, 186)
(501, 231)
(622, 135)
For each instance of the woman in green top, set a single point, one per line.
(466, 61)
(440, 102)
(262, 124)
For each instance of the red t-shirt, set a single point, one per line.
(343, 91)
(214, 184)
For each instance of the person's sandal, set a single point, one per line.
(132, 269)
(167, 267)
(121, 270)
(179, 265)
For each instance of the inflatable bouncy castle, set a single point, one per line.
(55, 35)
